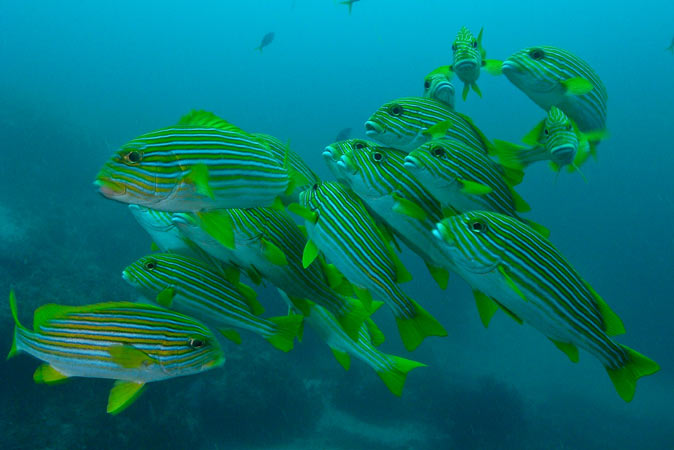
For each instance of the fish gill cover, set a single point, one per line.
(184, 110)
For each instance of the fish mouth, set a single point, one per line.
(465, 64)
(442, 233)
(347, 165)
(563, 153)
(373, 128)
(509, 66)
(108, 188)
(331, 153)
(126, 276)
(411, 163)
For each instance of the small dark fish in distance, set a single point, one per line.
(343, 135)
(266, 40)
(671, 46)
(349, 2)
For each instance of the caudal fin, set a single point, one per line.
(625, 378)
(413, 330)
(518, 157)
(17, 325)
(287, 327)
(395, 376)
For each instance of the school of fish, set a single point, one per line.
(227, 210)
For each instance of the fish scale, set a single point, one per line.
(348, 237)
(406, 131)
(201, 163)
(524, 273)
(540, 79)
(252, 229)
(191, 286)
(382, 184)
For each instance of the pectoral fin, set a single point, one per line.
(438, 130)
(303, 212)
(577, 86)
(129, 357)
(509, 281)
(310, 253)
(165, 297)
(199, 177)
(408, 208)
(473, 188)
(273, 254)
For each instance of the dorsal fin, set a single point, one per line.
(201, 118)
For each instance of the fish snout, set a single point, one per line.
(443, 233)
(373, 128)
(330, 153)
(346, 164)
(411, 163)
(109, 188)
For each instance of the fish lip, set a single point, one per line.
(411, 163)
(464, 63)
(346, 165)
(126, 276)
(329, 153)
(373, 128)
(108, 188)
(509, 66)
(441, 232)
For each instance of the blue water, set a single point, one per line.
(79, 79)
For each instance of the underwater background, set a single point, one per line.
(78, 79)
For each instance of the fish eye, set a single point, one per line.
(395, 110)
(196, 343)
(150, 265)
(315, 187)
(427, 84)
(376, 156)
(477, 226)
(568, 127)
(359, 145)
(453, 47)
(133, 157)
(546, 131)
(537, 53)
(438, 151)
(474, 44)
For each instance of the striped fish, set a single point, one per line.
(438, 85)
(469, 60)
(391, 369)
(165, 235)
(378, 176)
(131, 343)
(556, 139)
(190, 286)
(463, 178)
(301, 174)
(339, 226)
(407, 123)
(267, 243)
(551, 76)
(201, 163)
(511, 266)
(333, 154)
